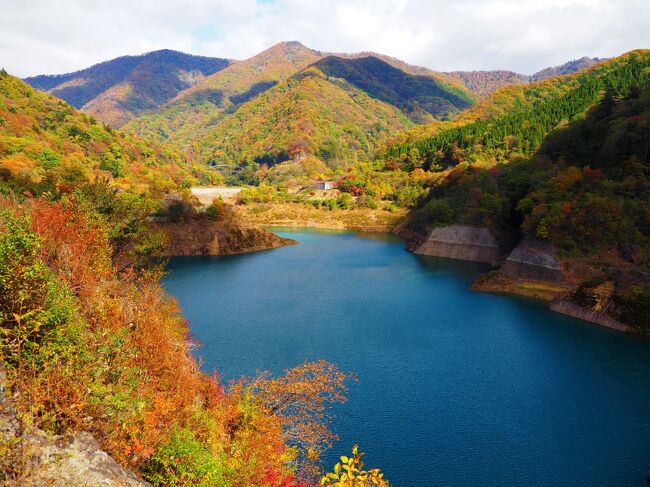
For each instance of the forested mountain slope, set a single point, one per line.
(482, 83)
(308, 115)
(44, 140)
(204, 103)
(118, 90)
(569, 67)
(586, 191)
(515, 119)
(421, 97)
(224, 126)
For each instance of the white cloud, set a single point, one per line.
(55, 36)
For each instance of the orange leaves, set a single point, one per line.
(567, 179)
(137, 448)
(300, 399)
(74, 246)
(592, 176)
(162, 407)
(19, 166)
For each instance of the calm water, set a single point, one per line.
(454, 387)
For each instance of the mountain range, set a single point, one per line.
(207, 119)
(283, 104)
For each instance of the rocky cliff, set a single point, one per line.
(460, 242)
(207, 237)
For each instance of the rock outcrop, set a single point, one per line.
(534, 260)
(31, 458)
(460, 242)
(206, 237)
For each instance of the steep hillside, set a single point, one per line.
(202, 104)
(421, 97)
(585, 195)
(90, 348)
(43, 140)
(307, 115)
(118, 90)
(514, 120)
(440, 77)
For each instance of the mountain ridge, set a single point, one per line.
(122, 88)
(192, 119)
(484, 82)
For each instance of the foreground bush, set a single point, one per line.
(349, 472)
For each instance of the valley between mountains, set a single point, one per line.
(366, 141)
(104, 172)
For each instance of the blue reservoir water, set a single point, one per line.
(455, 388)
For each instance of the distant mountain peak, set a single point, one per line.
(569, 67)
(115, 91)
(483, 83)
(296, 44)
(287, 49)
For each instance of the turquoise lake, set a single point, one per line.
(455, 388)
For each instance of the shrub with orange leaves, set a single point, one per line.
(301, 399)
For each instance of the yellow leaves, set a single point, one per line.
(349, 472)
(20, 166)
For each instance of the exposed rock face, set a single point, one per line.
(535, 260)
(568, 308)
(460, 242)
(78, 461)
(205, 237)
(30, 457)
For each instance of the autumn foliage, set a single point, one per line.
(86, 348)
(349, 472)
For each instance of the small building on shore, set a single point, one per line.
(324, 185)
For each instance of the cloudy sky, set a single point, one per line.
(57, 36)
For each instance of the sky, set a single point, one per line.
(59, 36)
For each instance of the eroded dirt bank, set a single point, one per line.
(206, 237)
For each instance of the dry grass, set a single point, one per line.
(495, 282)
(293, 214)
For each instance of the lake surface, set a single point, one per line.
(455, 388)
